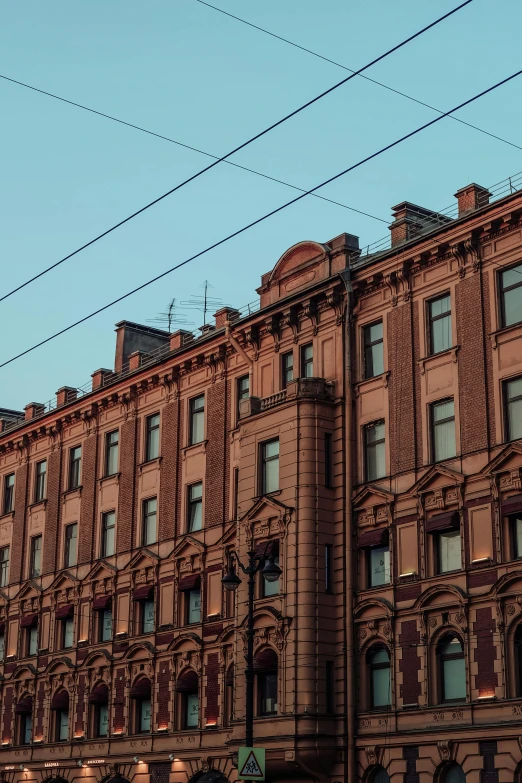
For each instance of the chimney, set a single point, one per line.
(224, 315)
(411, 221)
(180, 338)
(33, 410)
(9, 417)
(206, 329)
(131, 337)
(472, 197)
(65, 394)
(135, 360)
(100, 378)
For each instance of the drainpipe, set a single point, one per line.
(349, 642)
(234, 343)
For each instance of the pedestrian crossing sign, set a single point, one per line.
(251, 763)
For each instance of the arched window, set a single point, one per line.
(188, 688)
(378, 660)
(99, 711)
(24, 713)
(454, 774)
(60, 708)
(452, 669)
(518, 661)
(265, 668)
(142, 712)
(379, 775)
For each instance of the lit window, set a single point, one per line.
(197, 419)
(269, 466)
(40, 481)
(373, 350)
(35, 568)
(378, 559)
(9, 482)
(152, 428)
(75, 467)
(111, 453)
(4, 566)
(71, 545)
(307, 361)
(380, 677)
(443, 428)
(452, 669)
(513, 403)
(375, 450)
(439, 322)
(108, 530)
(195, 507)
(150, 534)
(511, 295)
(287, 368)
(448, 551)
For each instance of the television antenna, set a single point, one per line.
(205, 302)
(170, 317)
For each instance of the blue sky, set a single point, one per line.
(186, 71)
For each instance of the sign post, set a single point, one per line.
(251, 764)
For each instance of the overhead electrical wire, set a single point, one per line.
(266, 216)
(185, 146)
(363, 76)
(242, 146)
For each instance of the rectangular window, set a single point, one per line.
(75, 467)
(329, 686)
(105, 625)
(268, 693)
(152, 427)
(269, 466)
(9, 482)
(195, 507)
(516, 536)
(513, 405)
(108, 533)
(62, 721)
(373, 350)
(235, 509)
(71, 545)
(2, 646)
(193, 606)
(270, 588)
(439, 324)
(144, 715)
(4, 566)
(150, 534)
(102, 720)
(40, 481)
(374, 451)
(111, 453)
(328, 459)
(35, 567)
(27, 729)
(32, 640)
(192, 710)
(328, 568)
(443, 430)
(287, 368)
(197, 419)
(68, 632)
(448, 551)
(378, 566)
(511, 295)
(243, 390)
(307, 361)
(147, 616)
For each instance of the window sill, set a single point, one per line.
(71, 492)
(149, 464)
(202, 444)
(453, 351)
(7, 515)
(383, 377)
(34, 506)
(504, 331)
(106, 479)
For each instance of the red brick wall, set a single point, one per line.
(17, 549)
(129, 445)
(118, 723)
(409, 664)
(402, 411)
(485, 653)
(216, 450)
(163, 714)
(212, 688)
(168, 509)
(89, 498)
(52, 513)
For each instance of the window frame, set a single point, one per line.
(430, 320)
(65, 624)
(110, 448)
(367, 346)
(193, 413)
(512, 527)
(101, 624)
(441, 659)
(368, 556)
(23, 720)
(143, 616)
(286, 370)
(262, 690)
(305, 362)
(104, 528)
(501, 292)
(437, 537)
(33, 572)
(188, 594)
(366, 446)
(146, 515)
(40, 481)
(372, 667)
(67, 550)
(75, 468)
(264, 460)
(434, 425)
(192, 504)
(4, 565)
(240, 392)
(151, 428)
(506, 403)
(9, 493)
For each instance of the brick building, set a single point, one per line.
(363, 427)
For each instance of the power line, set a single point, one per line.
(181, 144)
(242, 146)
(264, 217)
(345, 68)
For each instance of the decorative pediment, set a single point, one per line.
(446, 595)
(267, 506)
(101, 570)
(296, 256)
(229, 537)
(140, 650)
(29, 591)
(437, 478)
(187, 545)
(143, 559)
(373, 505)
(98, 658)
(507, 460)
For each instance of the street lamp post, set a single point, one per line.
(231, 581)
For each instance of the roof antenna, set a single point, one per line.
(170, 317)
(205, 302)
